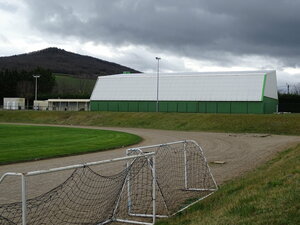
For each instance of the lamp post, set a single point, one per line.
(157, 85)
(36, 77)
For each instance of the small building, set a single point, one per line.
(252, 92)
(40, 105)
(14, 103)
(69, 104)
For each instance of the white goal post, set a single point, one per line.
(152, 182)
(83, 183)
(182, 175)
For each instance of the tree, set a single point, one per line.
(25, 89)
(296, 89)
(15, 83)
(46, 80)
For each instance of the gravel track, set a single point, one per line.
(241, 153)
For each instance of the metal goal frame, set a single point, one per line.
(143, 150)
(114, 218)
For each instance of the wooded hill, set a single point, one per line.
(60, 61)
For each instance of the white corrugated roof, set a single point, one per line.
(218, 86)
(68, 100)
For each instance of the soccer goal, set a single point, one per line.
(150, 182)
(183, 177)
(86, 196)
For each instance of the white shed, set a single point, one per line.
(14, 103)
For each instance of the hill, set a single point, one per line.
(63, 62)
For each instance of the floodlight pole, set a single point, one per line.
(36, 77)
(157, 85)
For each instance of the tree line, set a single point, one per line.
(289, 102)
(21, 84)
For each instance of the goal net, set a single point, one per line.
(183, 176)
(85, 197)
(152, 181)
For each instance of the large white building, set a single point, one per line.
(213, 92)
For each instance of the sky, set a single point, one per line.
(189, 35)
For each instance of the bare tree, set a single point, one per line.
(296, 89)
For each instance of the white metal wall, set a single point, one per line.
(227, 86)
(271, 85)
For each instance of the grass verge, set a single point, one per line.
(24, 143)
(288, 124)
(268, 195)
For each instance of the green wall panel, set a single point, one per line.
(181, 107)
(270, 105)
(202, 107)
(133, 106)
(255, 108)
(239, 107)
(143, 106)
(211, 107)
(113, 106)
(163, 106)
(94, 106)
(152, 106)
(224, 107)
(192, 107)
(172, 106)
(103, 106)
(267, 106)
(123, 107)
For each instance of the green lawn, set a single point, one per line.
(24, 143)
(268, 195)
(288, 124)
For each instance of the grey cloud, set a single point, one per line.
(3, 39)
(212, 30)
(8, 7)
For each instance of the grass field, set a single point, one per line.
(24, 143)
(288, 124)
(268, 195)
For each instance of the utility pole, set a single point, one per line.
(157, 85)
(288, 88)
(36, 77)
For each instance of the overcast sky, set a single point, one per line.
(189, 35)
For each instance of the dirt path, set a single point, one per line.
(241, 152)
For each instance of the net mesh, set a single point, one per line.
(89, 197)
(182, 175)
(86, 197)
(137, 196)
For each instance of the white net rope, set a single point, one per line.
(86, 197)
(182, 175)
